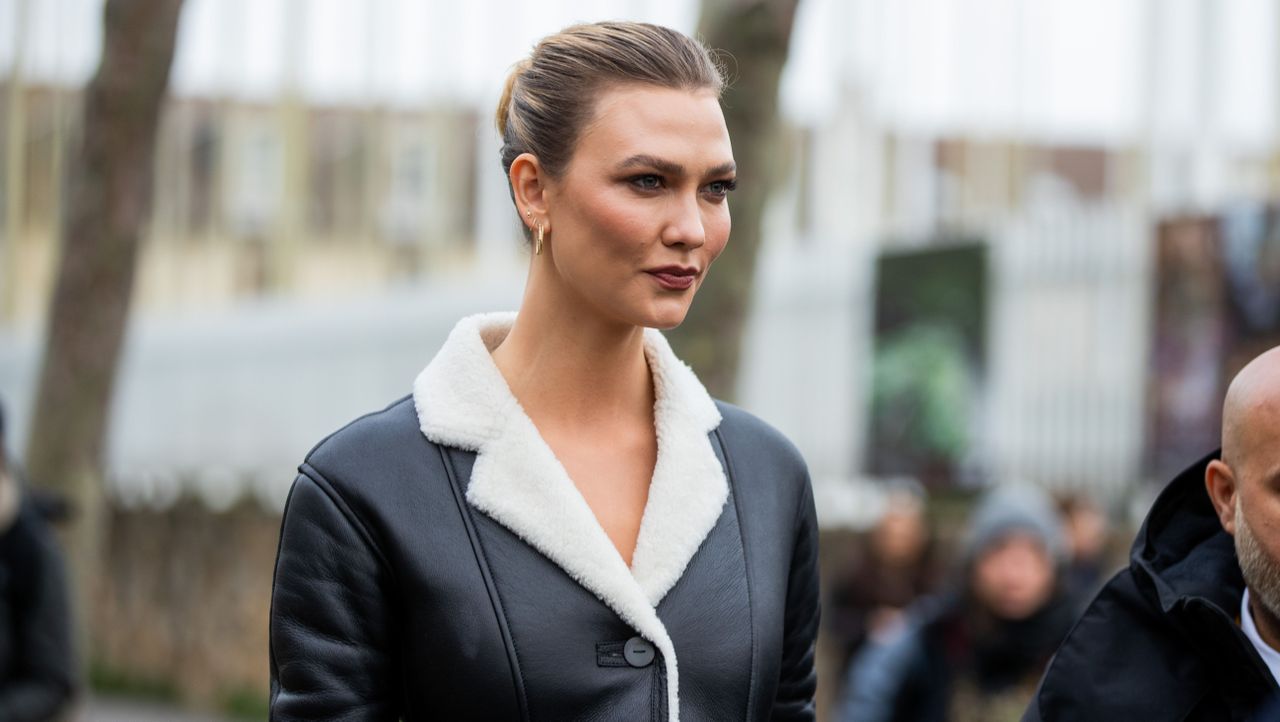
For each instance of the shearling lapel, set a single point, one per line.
(462, 400)
(688, 489)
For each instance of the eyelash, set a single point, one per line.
(638, 183)
(728, 185)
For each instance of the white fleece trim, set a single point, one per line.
(462, 400)
(688, 489)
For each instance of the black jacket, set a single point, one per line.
(435, 563)
(37, 670)
(1161, 640)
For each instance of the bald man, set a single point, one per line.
(1190, 630)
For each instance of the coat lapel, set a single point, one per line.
(688, 490)
(462, 400)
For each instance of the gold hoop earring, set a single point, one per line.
(537, 244)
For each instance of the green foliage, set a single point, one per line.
(108, 679)
(246, 703)
(922, 392)
(237, 703)
(944, 286)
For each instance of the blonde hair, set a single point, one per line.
(551, 95)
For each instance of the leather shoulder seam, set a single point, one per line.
(353, 422)
(327, 488)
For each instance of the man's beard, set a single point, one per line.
(1261, 573)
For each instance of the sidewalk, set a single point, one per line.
(111, 709)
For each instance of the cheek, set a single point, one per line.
(717, 229)
(614, 228)
(1261, 510)
(1266, 529)
(987, 577)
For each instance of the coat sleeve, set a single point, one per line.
(332, 651)
(798, 681)
(44, 681)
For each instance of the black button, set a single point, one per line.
(638, 652)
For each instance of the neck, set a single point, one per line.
(567, 365)
(1268, 624)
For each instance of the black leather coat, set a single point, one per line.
(396, 598)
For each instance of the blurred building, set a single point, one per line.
(257, 200)
(329, 202)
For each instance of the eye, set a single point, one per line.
(647, 182)
(720, 189)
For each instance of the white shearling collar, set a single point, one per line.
(462, 400)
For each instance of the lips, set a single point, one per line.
(674, 278)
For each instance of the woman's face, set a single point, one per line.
(641, 211)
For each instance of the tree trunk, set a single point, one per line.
(756, 36)
(108, 203)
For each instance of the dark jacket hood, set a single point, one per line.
(1182, 552)
(1184, 564)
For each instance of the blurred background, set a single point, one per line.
(1003, 242)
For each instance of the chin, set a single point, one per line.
(665, 319)
(660, 313)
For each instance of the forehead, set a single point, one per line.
(682, 126)
(1013, 540)
(1260, 437)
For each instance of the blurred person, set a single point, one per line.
(37, 670)
(976, 652)
(1087, 533)
(560, 522)
(1191, 628)
(894, 567)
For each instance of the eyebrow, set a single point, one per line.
(671, 168)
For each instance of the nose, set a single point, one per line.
(684, 226)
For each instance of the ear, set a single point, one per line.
(1221, 484)
(530, 186)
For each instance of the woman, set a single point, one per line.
(560, 523)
